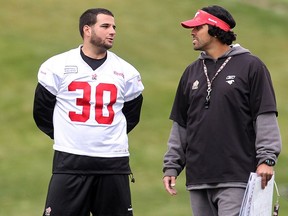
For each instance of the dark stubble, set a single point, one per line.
(98, 42)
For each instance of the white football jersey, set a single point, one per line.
(88, 118)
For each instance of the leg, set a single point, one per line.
(201, 203)
(111, 196)
(67, 196)
(228, 200)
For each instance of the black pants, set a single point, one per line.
(78, 195)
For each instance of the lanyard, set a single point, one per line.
(209, 83)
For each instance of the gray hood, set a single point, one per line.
(236, 49)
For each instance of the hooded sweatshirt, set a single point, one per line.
(218, 143)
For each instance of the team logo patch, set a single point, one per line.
(195, 85)
(70, 69)
(230, 79)
(94, 76)
(48, 211)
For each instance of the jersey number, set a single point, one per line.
(99, 103)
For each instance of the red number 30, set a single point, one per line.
(99, 104)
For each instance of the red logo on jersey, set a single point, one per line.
(119, 74)
(94, 76)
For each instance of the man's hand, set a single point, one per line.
(266, 172)
(169, 184)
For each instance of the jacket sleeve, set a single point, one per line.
(268, 140)
(174, 158)
(44, 103)
(132, 110)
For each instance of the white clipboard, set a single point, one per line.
(257, 201)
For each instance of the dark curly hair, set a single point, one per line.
(224, 15)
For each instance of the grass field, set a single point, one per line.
(150, 37)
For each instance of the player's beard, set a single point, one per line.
(98, 42)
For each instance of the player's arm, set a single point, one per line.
(44, 103)
(132, 110)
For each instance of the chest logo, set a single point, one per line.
(230, 79)
(119, 74)
(70, 69)
(195, 85)
(94, 76)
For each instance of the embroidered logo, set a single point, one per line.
(195, 85)
(130, 208)
(230, 79)
(48, 211)
(70, 69)
(94, 76)
(43, 72)
(119, 74)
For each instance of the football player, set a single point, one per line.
(87, 100)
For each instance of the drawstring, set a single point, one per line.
(276, 206)
(132, 178)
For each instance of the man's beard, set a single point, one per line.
(96, 41)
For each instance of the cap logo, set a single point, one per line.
(212, 20)
(202, 17)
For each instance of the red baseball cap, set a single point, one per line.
(202, 17)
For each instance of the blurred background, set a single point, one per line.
(150, 37)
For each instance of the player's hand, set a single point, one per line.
(169, 184)
(266, 173)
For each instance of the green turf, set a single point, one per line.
(148, 36)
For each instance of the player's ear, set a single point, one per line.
(86, 30)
